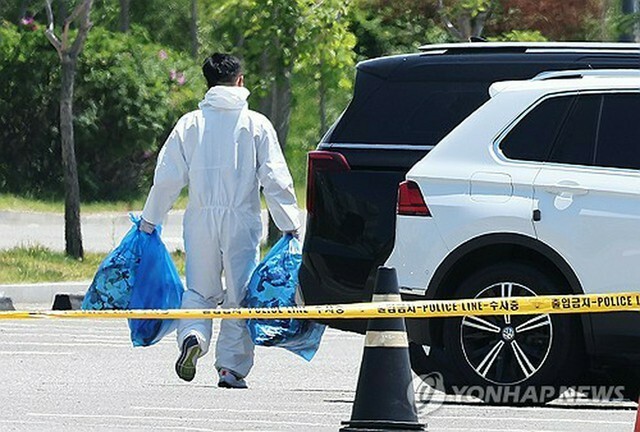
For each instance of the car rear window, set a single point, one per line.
(412, 113)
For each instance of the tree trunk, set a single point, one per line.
(277, 107)
(195, 46)
(478, 24)
(464, 26)
(322, 91)
(125, 19)
(282, 108)
(72, 231)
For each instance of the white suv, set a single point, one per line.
(537, 192)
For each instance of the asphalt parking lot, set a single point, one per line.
(64, 375)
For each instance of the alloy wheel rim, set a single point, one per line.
(506, 349)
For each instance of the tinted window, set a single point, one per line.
(532, 138)
(419, 113)
(619, 134)
(576, 143)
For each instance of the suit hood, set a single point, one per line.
(225, 98)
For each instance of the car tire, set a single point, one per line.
(514, 360)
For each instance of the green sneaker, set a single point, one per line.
(186, 364)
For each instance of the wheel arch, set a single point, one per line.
(491, 248)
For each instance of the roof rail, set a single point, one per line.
(581, 73)
(534, 46)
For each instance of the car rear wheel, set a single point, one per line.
(514, 359)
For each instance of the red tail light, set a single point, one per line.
(322, 161)
(410, 201)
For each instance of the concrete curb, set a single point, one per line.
(41, 292)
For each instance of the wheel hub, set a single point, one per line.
(506, 350)
(508, 334)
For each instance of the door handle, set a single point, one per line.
(566, 188)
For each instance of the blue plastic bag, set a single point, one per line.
(274, 283)
(138, 274)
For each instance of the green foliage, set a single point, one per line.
(126, 101)
(166, 20)
(307, 44)
(520, 36)
(29, 154)
(305, 132)
(471, 7)
(385, 27)
(9, 11)
(325, 45)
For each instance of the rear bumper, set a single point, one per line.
(418, 250)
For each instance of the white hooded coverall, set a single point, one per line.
(224, 152)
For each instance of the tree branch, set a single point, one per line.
(447, 23)
(85, 26)
(478, 23)
(77, 11)
(50, 31)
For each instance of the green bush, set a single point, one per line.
(127, 100)
(29, 151)
(129, 93)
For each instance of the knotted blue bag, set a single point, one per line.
(274, 283)
(138, 274)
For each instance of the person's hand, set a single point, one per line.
(294, 233)
(146, 227)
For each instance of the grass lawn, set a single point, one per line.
(19, 203)
(39, 264)
(10, 202)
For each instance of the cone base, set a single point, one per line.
(378, 426)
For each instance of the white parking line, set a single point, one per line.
(243, 411)
(181, 419)
(155, 427)
(86, 336)
(537, 419)
(475, 429)
(26, 422)
(69, 344)
(84, 325)
(110, 426)
(36, 353)
(85, 329)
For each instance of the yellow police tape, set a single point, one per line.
(589, 303)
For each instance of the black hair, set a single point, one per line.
(220, 68)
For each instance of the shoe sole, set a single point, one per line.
(186, 364)
(224, 384)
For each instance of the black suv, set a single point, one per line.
(401, 108)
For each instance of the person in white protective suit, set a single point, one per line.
(224, 152)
